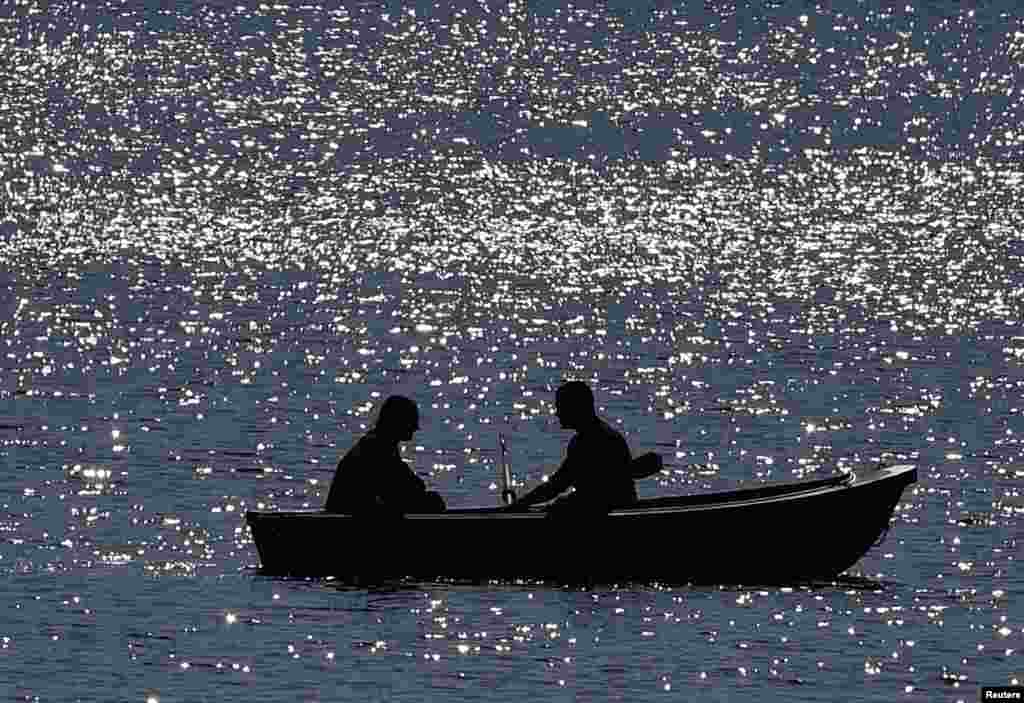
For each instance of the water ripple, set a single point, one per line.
(778, 241)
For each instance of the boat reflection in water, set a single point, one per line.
(793, 532)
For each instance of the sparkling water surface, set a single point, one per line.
(778, 239)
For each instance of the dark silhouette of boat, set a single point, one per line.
(794, 532)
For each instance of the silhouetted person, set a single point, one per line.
(597, 462)
(372, 479)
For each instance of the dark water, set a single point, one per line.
(778, 239)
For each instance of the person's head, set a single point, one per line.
(399, 418)
(574, 405)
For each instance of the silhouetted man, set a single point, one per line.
(372, 478)
(597, 462)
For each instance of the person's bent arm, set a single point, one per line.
(560, 481)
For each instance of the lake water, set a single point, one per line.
(778, 239)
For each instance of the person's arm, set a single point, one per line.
(397, 486)
(410, 484)
(558, 482)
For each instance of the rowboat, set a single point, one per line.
(795, 532)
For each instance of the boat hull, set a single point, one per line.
(778, 534)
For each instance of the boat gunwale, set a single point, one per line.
(721, 501)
